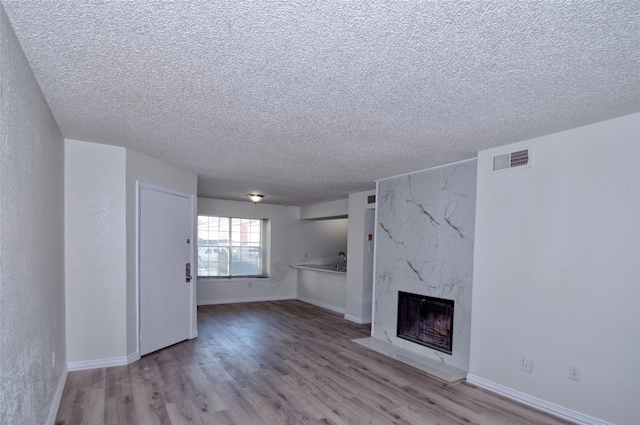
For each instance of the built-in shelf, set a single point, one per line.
(325, 268)
(437, 369)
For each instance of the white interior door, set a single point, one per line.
(165, 249)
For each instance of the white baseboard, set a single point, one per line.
(545, 406)
(321, 304)
(246, 300)
(133, 357)
(359, 320)
(100, 363)
(57, 397)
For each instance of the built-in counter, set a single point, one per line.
(322, 285)
(327, 268)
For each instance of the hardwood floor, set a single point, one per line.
(283, 362)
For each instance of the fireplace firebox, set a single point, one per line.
(426, 320)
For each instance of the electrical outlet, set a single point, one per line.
(527, 365)
(574, 373)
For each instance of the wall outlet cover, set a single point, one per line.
(574, 373)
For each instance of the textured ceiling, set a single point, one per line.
(308, 101)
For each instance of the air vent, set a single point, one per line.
(520, 158)
(501, 162)
(371, 199)
(510, 160)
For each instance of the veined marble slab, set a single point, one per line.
(438, 370)
(424, 245)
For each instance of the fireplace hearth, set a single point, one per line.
(426, 321)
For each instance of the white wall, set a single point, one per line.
(32, 317)
(327, 290)
(142, 168)
(359, 280)
(557, 270)
(320, 241)
(95, 251)
(101, 260)
(330, 209)
(281, 283)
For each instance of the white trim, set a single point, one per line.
(359, 320)
(321, 304)
(194, 335)
(100, 363)
(529, 400)
(133, 357)
(57, 397)
(426, 169)
(246, 300)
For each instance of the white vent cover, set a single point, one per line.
(510, 160)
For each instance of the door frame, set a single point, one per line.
(139, 186)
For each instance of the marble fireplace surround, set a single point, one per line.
(425, 224)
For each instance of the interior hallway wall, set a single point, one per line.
(101, 250)
(32, 304)
(95, 253)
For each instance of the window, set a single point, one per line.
(231, 247)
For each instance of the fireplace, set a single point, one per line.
(426, 320)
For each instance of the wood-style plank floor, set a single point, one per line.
(283, 362)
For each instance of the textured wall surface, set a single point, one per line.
(557, 270)
(95, 251)
(424, 245)
(32, 316)
(101, 233)
(310, 101)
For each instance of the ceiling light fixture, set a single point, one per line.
(255, 198)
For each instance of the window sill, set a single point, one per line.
(234, 279)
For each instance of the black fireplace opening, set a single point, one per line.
(426, 320)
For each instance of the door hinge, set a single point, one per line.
(140, 335)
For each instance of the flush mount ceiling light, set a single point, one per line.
(255, 198)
